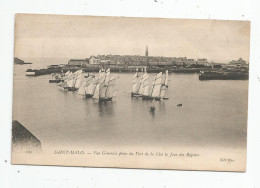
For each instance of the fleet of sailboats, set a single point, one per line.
(150, 87)
(101, 86)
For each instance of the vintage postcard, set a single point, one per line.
(124, 92)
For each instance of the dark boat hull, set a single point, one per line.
(104, 99)
(223, 76)
(135, 95)
(71, 88)
(151, 98)
(88, 96)
(56, 81)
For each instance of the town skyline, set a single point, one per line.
(56, 36)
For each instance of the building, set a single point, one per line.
(93, 60)
(190, 61)
(180, 60)
(202, 61)
(239, 62)
(78, 62)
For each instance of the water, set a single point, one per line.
(214, 113)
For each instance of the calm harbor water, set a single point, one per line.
(214, 113)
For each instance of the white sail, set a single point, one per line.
(135, 75)
(107, 76)
(78, 81)
(147, 90)
(111, 88)
(166, 78)
(141, 88)
(96, 93)
(69, 76)
(78, 72)
(100, 77)
(163, 79)
(90, 89)
(135, 83)
(102, 90)
(163, 90)
(157, 84)
(81, 90)
(71, 82)
(67, 73)
(147, 86)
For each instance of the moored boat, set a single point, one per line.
(30, 72)
(136, 82)
(156, 91)
(105, 88)
(56, 78)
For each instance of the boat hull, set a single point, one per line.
(222, 76)
(56, 81)
(71, 88)
(30, 74)
(151, 98)
(104, 99)
(147, 97)
(135, 95)
(88, 96)
(62, 88)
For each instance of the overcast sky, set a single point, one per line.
(55, 36)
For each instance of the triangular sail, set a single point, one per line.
(78, 81)
(81, 90)
(67, 73)
(163, 91)
(166, 78)
(141, 88)
(107, 76)
(135, 83)
(90, 89)
(96, 93)
(71, 82)
(102, 90)
(111, 87)
(157, 85)
(148, 86)
(165, 81)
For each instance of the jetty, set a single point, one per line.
(234, 70)
(223, 75)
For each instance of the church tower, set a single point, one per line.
(146, 56)
(146, 51)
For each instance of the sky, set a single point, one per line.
(59, 36)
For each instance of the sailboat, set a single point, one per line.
(143, 83)
(157, 89)
(105, 89)
(165, 81)
(91, 85)
(135, 84)
(74, 81)
(151, 90)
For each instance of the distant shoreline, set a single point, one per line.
(18, 61)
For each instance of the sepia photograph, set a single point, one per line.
(128, 92)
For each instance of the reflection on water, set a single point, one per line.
(213, 113)
(106, 108)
